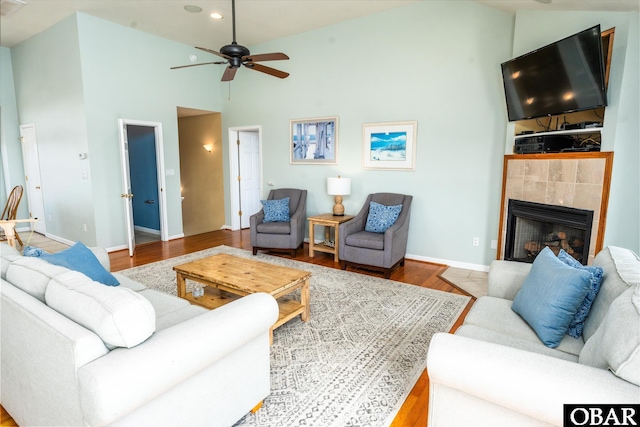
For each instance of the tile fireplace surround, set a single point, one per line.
(576, 180)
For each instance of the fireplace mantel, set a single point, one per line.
(577, 180)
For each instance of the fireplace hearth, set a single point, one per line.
(533, 226)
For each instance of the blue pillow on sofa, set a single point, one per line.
(381, 217)
(80, 258)
(577, 324)
(550, 296)
(276, 210)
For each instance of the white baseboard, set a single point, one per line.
(450, 263)
(116, 248)
(146, 230)
(226, 227)
(176, 236)
(59, 239)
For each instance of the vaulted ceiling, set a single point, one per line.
(257, 21)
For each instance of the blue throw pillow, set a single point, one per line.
(80, 258)
(32, 251)
(381, 217)
(577, 324)
(276, 210)
(550, 296)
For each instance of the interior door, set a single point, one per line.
(249, 165)
(127, 196)
(32, 176)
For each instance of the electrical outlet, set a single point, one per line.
(476, 241)
(84, 226)
(494, 244)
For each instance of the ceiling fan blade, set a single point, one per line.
(229, 74)
(267, 70)
(277, 56)
(195, 65)
(214, 52)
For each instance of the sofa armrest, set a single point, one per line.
(103, 256)
(506, 278)
(527, 383)
(124, 379)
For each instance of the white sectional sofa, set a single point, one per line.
(495, 371)
(146, 359)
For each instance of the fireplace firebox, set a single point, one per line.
(533, 226)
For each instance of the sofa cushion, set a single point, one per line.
(80, 258)
(577, 324)
(119, 316)
(8, 254)
(32, 275)
(616, 343)
(621, 267)
(495, 314)
(381, 217)
(276, 210)
(550, 296)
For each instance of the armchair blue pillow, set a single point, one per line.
(550, 296)
(381, 217)
(276, 210)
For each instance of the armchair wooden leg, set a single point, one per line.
(255, 251)
(343, 265)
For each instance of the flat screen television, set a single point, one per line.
(563, 77)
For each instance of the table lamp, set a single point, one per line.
(338, 187)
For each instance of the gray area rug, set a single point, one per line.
(355, 362)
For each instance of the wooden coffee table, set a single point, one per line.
(228, 278)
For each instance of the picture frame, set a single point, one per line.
(314, 141)
(389, 146)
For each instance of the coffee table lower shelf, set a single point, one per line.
(215, 298)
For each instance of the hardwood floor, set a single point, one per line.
(414, 409)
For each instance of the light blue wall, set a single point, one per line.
(11, 166)
(76, 80)
(621, 130)
(436, 62)
(48, 83)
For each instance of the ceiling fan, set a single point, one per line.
(237, 55)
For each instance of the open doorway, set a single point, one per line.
(146, 144)
(201, 170)
(144, 183)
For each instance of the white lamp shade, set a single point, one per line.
(338, 186)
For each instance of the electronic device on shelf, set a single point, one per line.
(582, 125)
(563, 77)
(543, 144)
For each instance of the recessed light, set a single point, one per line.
(544, 1)
(193, 8)
(216, 15)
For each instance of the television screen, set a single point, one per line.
(563, 77)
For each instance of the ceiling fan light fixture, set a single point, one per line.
(216, 15)
(191, 8)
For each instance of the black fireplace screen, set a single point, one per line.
(533, 226)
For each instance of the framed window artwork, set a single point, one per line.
(389, 146)
(314, 141)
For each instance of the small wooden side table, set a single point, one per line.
(327, 220)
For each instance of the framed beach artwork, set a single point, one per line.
(389, 146)
(314, 141)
